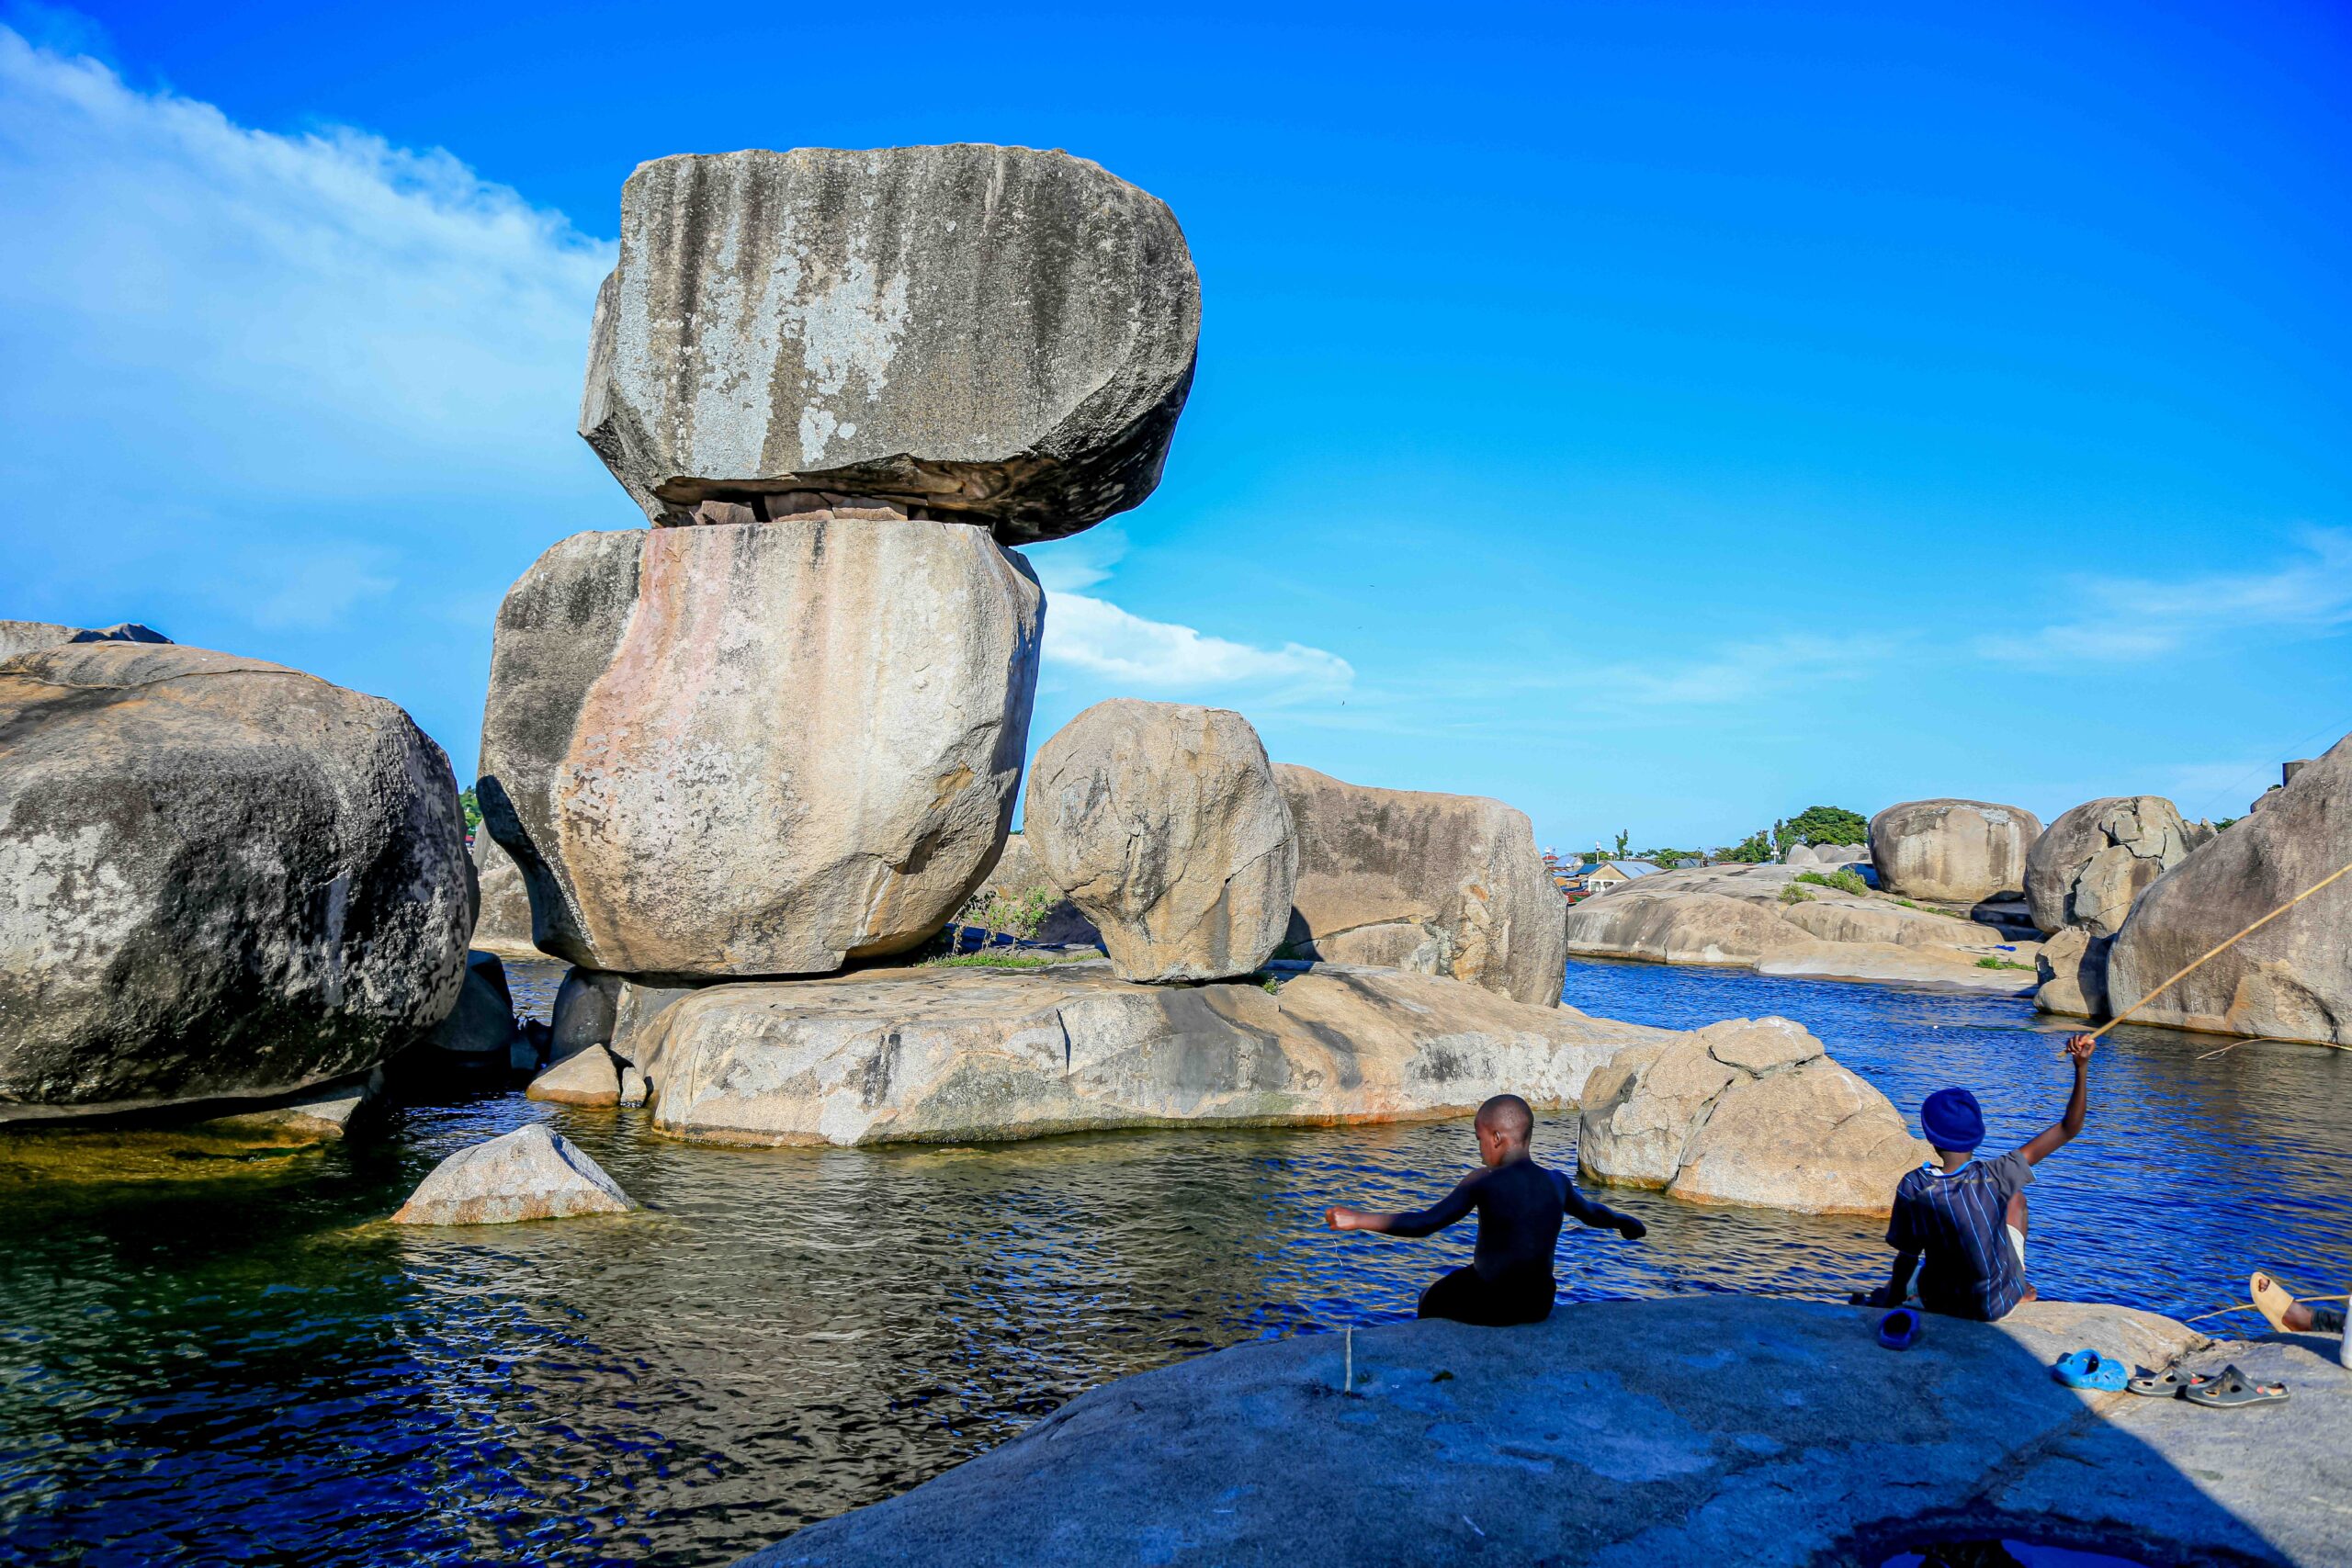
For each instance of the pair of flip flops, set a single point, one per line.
(2225, 1390)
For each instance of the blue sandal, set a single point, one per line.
(2089, 1370)
(1899, 1330)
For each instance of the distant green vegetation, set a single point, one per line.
(991, 958)
(1824, 825)
(473, 808)
(2001, 963)
(1667, 860)
(1794, 894)
(1844, 881)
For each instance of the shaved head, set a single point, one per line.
(1508, 1117)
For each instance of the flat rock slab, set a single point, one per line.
(528, 1174)
(588, 1077)
(976, 1053)
(1950, 968)
(1635, 1434)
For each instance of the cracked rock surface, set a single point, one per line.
(2094, 861)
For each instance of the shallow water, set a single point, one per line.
(234, 1361)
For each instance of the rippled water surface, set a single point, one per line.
(235, 1361)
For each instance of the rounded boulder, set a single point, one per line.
(2095, 859)
(1954, 851)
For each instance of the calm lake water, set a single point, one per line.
(235, 1362)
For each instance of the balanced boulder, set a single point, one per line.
(1952, 851)
(2290, 980)
(1163, 824)
(1747, 1112)
(528, 1174)
(757, 749)
(2085, 870)
(218, 877)
(990, 333)
(1449, 885)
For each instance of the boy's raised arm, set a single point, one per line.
(2053, 1138)
(1436, 1217)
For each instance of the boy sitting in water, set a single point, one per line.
(1520, 1204)
(1966, 1217)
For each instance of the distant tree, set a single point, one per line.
(2222, 822)
(1669, 859)
(1623, 840)
(1827, 825)
(1754, 850)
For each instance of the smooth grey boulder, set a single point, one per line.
(757, 750)
(482, 1026)
(2071, 974)
(218, 877)
(586, 1007)
(30, 636)
(1163, 824)
(504, 924)
(1448, 884)
(1955, 850)
(528, 1174)
(2290, 980)
(2093, 861)
(990, 333)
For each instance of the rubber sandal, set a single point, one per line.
(1899, 1330)
(2166, 1384)
(2089, 1370)
(2232, 1388)
(2271, 1299)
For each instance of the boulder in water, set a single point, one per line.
(757, 750)
(1954, 851)
(528, 1174)
(990, 334)
(2071, 971)
(2095, 859)
(589, 1077)
(1163, 824)
(481, 1028)
(1446, 884)
(219, 878)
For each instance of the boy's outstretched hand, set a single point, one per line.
(1631, 1228)
(1339, 1219)
(2080, 1046)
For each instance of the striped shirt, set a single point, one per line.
(1958, 1224)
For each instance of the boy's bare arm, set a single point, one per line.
(2051, 1139)
(1600, 1216)
(1898, 1284)
(1439, 1215)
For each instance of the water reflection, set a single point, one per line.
(252, 1368)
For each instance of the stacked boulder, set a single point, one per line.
(1956, 852)
(782, 728)
(2081, 878)
(1164, 825)
(219, 879)
(1446, 884)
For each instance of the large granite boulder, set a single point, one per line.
(2071, 974)
(2093, 861)
(30, 637)
(1163, 824)
(757, 750)
(1956, 850)
(503, 926)
(960, 1054)
(2292, 979)
(990, 333)
(528, 1174)
(1675, 927)
(218, 877)
(1449, 885)
(1747, 1112)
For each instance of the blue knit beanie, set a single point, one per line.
(1952, 1120)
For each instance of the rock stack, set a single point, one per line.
(782, 728)
(2081, 879)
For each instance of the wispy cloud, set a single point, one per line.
(313, 590)
(2120, 620)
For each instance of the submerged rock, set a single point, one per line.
(1686, 1430)
(974, 1054)
(1445, 885)
(1958, 850)
(1747, 1112)
(1163, 824)
(218, 877)
(2292, 979)
(313, 1116)
(2095, 859)
(986, 332)
(757, 750)
(528, 1174)
(588, 1077)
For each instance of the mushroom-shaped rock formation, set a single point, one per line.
(218, 877)
(757, 749)
(1163, 824)
(992, 334)
(1955, 850)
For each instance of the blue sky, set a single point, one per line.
(1659, 416)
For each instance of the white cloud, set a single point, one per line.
(2128, 620)
(1102, 639)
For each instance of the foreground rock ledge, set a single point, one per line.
(1697, 1431)
(973, 1053)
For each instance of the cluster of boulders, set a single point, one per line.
(1825, 854)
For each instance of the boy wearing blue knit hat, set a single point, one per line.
(1964, 1219)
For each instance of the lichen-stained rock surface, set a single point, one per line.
(1747, 1112)
(1448, 884)
(1958, 850)
(2292, 979)
(218, 877)
(2092, 862)
(528, 1174)
(962, 1055)
(1163, 824)
(757, 749)
(989, 332)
